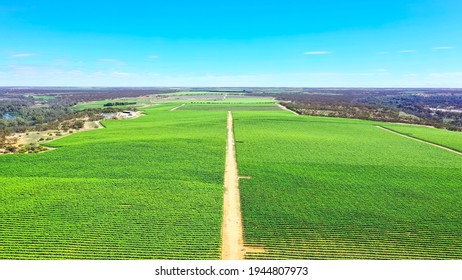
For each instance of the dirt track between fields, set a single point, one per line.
(177, 107)
(419, 140)
(232, 229)
(287, 109)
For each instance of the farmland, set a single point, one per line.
(450, 139)
(328, 188)
(310, 187)
(145, 188)
(133, 102)
(232, 104)
(204, 92)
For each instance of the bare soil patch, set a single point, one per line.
(35, 138)
(41, 137)
(287, 109)
(255, 249)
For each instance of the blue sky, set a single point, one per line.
(405, 43)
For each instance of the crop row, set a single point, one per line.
(329, 188)
(147, 188)
(450, 139)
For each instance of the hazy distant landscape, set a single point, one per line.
(29, 108)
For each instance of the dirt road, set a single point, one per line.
(287, 109)
(177, 107)
(232, 230)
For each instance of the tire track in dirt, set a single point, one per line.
(419, 140)
(232, 230)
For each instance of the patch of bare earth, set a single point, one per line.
(255, 249)
(419, 140)
(287, 109)
(41, 137)
(90, 125)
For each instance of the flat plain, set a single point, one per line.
(147, 188)
(311, 188)
(450, 139)
(331, 188)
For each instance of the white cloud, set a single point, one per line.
(111, 60)
(97, 74)
(60, 61)
(446, 75)
(317, 52)
(153, 56)
(411, 75)
(121, 74)
(57, 76)
(22, 68)
(75, 72)
(22, 55)
(445, 79)
(407, 51)
(443, 48)
(381, 70)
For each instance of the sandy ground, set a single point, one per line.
(35, 136)
(173, 109)
(136, 114)
(415, 139)
(92, 125)
(287, 109)
(232, 230)
(26, 138)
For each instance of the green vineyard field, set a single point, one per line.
(328, 188)
(314, 188)
(450, 139)
(147, 188)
